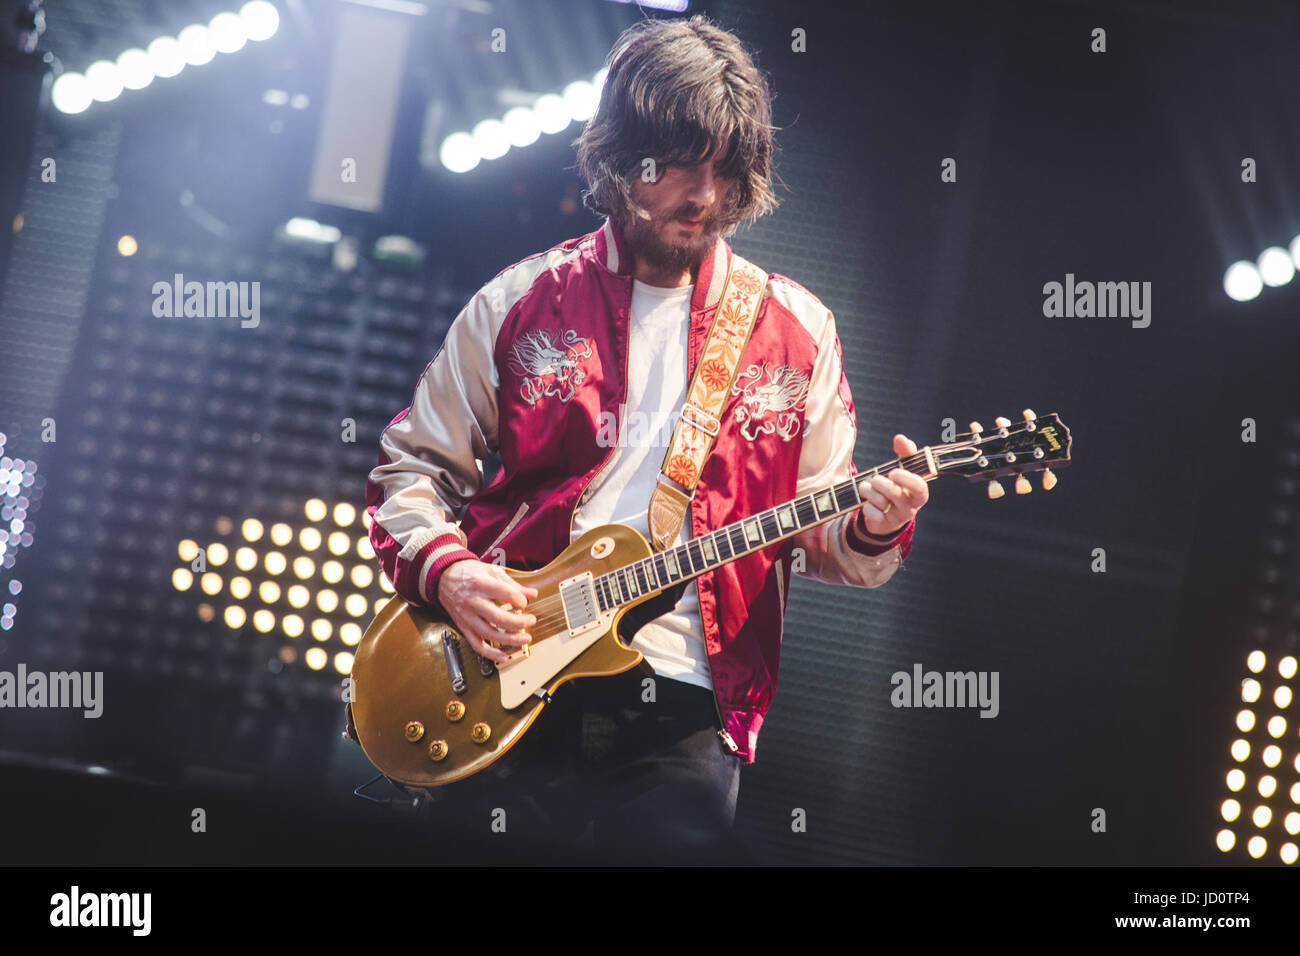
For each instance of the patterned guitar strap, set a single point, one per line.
(697, 428)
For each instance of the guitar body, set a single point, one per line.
(401, 677)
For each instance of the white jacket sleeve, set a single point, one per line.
(835, 552)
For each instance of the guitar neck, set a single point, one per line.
(716, 548)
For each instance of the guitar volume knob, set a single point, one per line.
(437, 749)
(455, 710)
(480, 733)
(414, 730)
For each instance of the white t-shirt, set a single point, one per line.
(674, 643)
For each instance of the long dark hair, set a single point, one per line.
(676, 91)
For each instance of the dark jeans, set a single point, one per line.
(604, 776)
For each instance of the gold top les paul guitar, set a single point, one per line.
(428, 711)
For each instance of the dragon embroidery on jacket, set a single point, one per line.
(548, 367)
(772, 407)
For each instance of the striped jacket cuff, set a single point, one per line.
(863, 542)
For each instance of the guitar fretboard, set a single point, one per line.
(716, 548)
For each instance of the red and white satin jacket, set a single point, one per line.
(528, 367)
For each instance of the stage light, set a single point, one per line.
(298, 596)
(196, 45)
(127, 246)
(1257, 846)
(245, 559)
(187, 550)
(350, 634)
(1287, 667)
(1282, 697)
(300, 101)
(206, 613)
(315, 509)
(1230, 809)
(1226, 840)
(70, 94)
(275, 562)
(362, 575)
(318, 233)
(291, 624)
(1250, 690)
(182, 579)
(386, 585)
(1295, 788)
(552, 113)
(234, 617)
(252, 529)
(1295, 251)
(260, 20)
(264, 621)
(1267, 786)
(343, 662)
(269, 592)
(581, 98)
(1276, 725)
(1245, 721)
(365, 550)
(309, 538)
(217, 554)
(1275, 266)
(327, 600)
(275, 97)
(240, 588)
(227, 33)
(281, 534)
(521, 127)
(210, 583)
(315, 658)
(1255, 661)
(344, 514)
(105, 81)
(459, 153)
(490, 139)
(339, 543)
(332, 572)
(321, 629)
(1292, 823)
(304, 567)
(1288, 853)
(1262, 816)
(135, 68)
(166, 58)
(1242, 282)
(380, 602)
(355, 604)
(1236, 780)
(1272, 755)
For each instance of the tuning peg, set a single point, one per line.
(976, 428)
(996, 490)
(1049, 479)
(1029, 414)
(1023, 487)
(1001, 422)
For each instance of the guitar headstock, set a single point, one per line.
(1035, 444)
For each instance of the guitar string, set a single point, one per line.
(551, 608)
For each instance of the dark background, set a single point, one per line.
(1118, 689)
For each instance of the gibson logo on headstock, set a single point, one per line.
(1049, 433)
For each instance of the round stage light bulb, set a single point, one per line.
(1245, 720)
(321, 629)
(1262, 816)
(309, 538)
(1230, 809)
(350, 634)
(166, 58)
(252, 529)
(260, 20)
(1276, 725)
(339, 542)
(1282, 697)
(1272, 755)
(281, 534)
(210, 583)
(1236, 780)
(292, 625)
(581, 98)
(316, 658)
(1250, 690)
(332, 572)
(105, 80)
(227, 33)
(240, 587)
(1292, 823)
(1257, 846)
(1226, 840)
(344, 514)
(1267, 786)
(491, 139)
(343, 662)
(196, 45)
(218, 553)
(298, 596)
(552, 113)
(234, 617)
(182, 579)
(275, 562)
(459, 153)
(1288, 853)
(264, 621)
(304, 567)
(187, 550)
(1287, 667)
(327, 600)
(245, 559)
(315, 509)
(1242, 282)
(365, 550)
(521, 125)
(355, 605)
(362, 575)
(135, 69)
(1255, 661)
(269, 592)
(1275, 266)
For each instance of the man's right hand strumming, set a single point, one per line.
(469, 592)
